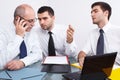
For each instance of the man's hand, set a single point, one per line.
(19, 25)
(81, 57)
(70, 32)
(81, 61)
(14, 65)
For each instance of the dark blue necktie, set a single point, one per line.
(51, 47)
(100, 44)
(23, 50)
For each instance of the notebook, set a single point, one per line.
(97, 67)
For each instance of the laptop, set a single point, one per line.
(97, 67)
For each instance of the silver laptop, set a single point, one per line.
(97, 67)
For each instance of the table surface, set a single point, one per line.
(54, 76)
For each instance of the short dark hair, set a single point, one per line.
(104, 6)
(46, 8)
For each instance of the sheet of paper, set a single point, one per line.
(56, 60)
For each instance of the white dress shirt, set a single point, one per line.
(10, 46)
(111, 41)
(59, 37)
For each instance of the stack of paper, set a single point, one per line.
(56, 60)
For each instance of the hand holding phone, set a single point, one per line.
(21, 26)
(21, 18)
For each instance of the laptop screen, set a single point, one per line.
(99, 65)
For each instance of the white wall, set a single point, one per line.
(76, 13)
(7, 8)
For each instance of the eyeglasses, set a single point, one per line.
(30, 20)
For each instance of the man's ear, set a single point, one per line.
(106, 13)
(53, 17)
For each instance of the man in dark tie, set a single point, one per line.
(102, 39)
(54, 39)
(20, 45)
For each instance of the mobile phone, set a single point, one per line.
(22, 19)
(24, 25)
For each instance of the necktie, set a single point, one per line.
(51, 47)
(100, 44)
(23, 50)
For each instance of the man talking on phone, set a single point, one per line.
(18, 45)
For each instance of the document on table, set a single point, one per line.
(56, 60)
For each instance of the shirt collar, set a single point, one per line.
(53, 29)
(46, 31)
(106, 27)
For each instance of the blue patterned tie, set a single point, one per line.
(100, 44)
(23, 50)
(51, 47)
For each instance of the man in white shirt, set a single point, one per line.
(11, 39)
(100, 14)
(63, 38)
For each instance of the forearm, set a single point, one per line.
(71, 49)
(32, 57)
(8, 49)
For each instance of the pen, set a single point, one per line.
(8, 73)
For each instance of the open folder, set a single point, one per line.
(56, 64)
(23, 74)
(115, 75)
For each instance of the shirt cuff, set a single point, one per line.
(25, 62)
(70, 44)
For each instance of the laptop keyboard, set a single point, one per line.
(73, 76)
